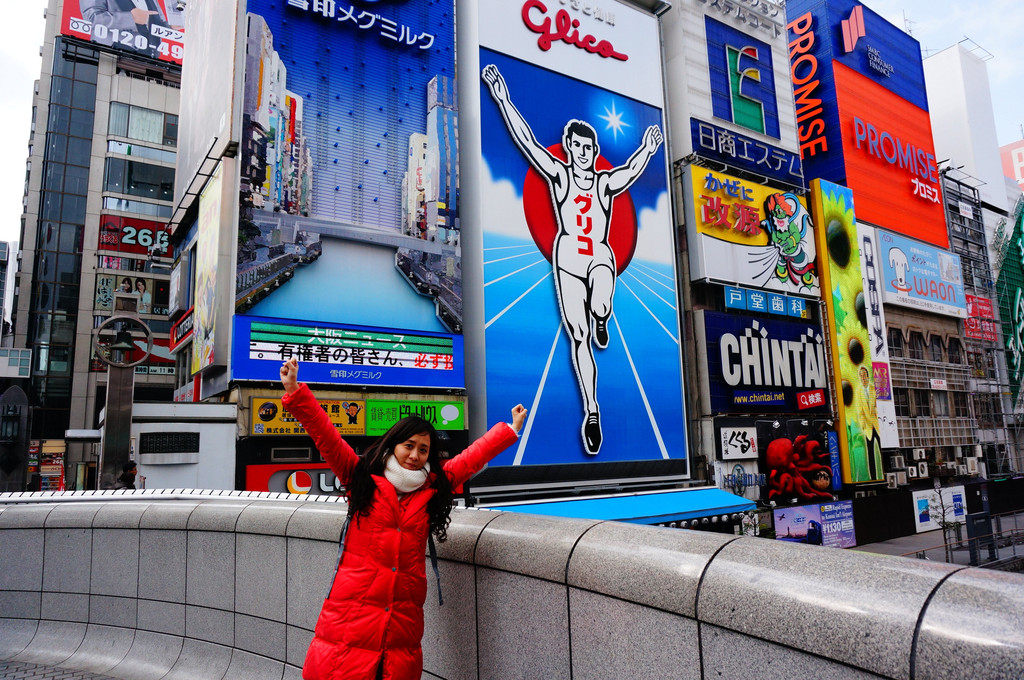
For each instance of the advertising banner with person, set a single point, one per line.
(580, 302)
(150, 28)
(349, 184)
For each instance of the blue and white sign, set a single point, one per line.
(760, 301)
(921, 276)
(337, 354)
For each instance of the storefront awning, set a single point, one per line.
(654, 507)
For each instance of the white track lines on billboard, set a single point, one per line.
(525, 437)
(653, 315)
(654, 272)
(653, 292)
(487, 250)
(670, 287)
(643, 394)
(513, 303)
(515, 272)
(512, 257)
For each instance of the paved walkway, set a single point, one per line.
(10, 670)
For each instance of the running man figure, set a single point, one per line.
(583, 262)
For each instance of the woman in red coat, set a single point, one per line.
(371, 623)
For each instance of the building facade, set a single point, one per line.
(98, 196)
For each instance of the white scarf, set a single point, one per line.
(404, 480)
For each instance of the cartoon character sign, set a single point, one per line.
(744, 233)
(797, 463)
(788, 225)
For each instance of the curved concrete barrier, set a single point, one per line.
(227, 585)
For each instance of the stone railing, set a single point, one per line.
(197, 585)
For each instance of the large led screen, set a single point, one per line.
(349, 207)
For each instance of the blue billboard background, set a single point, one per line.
(881, 52)
(639, 384)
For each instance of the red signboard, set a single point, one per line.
(160, 361)
(298, 478)
(980, 323)
(1013, 161)
(129, 235)
(159, 35)
(890, 159)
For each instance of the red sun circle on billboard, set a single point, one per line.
(539, 209)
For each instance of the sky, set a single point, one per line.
(997, 26)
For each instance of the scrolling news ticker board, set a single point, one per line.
(346, 355)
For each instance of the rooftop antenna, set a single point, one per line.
(908, 25)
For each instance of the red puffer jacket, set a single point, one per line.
(375, 606)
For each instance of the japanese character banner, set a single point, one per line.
(353, 355)
(730, 98)
(743, 232)
(581, 314)
(349, 184)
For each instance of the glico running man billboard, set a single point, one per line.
(581, 307)
(349, 219)
(862, 114)
(842, 279)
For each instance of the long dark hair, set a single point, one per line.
(360, 492)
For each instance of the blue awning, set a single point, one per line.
(653, 507)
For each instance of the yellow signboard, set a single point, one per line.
(745, 233)
(269, 417)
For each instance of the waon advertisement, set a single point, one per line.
(848, 66)
(150, 28)
(849, 336)
(581, 313)
(745, 233)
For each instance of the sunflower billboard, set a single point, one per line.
(860, 444)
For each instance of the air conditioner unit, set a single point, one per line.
(961, 470)
(890, 480)
(960, 451)
(920, 454)
(972, 465)
(922, 469)
(858, 494)
(977, 450)
(911, 473)
(949, 466)
(896, 462)
(901, 478)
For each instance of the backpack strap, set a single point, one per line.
(433, 563)
(341, 549)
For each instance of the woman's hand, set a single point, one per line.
(290, 375)
(518, 417)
